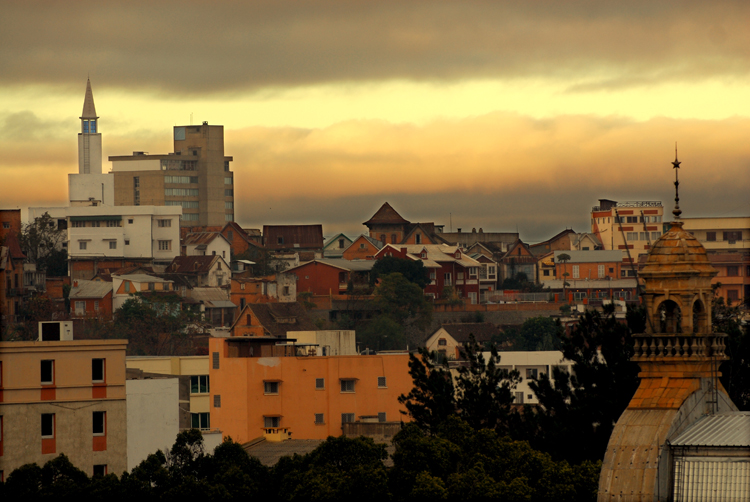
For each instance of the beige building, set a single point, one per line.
(195, 177)
(630, 226)
(63, 397)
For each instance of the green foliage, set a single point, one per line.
(536, 333)
(42, 242)
(412, 270)
(305, 298)
(403, 301)
(736, 371)
(155, 325)
(481, 394)
(577, 413)
(463, 463)
(382, 333)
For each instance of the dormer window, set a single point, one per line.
(458, 255)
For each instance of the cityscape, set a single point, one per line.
(377, 268)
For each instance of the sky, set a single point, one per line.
(505, 116)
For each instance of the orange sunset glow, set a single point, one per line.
(470, 114)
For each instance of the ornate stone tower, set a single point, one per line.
(679, 357)
(89, 139)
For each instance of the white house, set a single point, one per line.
(531, 365)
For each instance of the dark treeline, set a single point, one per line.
(456, 463)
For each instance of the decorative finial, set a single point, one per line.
(676, 166)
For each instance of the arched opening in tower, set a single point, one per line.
(700, 318)
(670, 316)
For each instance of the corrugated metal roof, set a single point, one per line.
(722, 429)
(90, 289)
(210, 294)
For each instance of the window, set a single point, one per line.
(319, 419)
(519, 398)
(48, 372)
(733, 271)
(579, 295)
(200, 421)
(732, 236)
(215, 358)
(286, 290)
(644, 236)
(271, 422)
(347, 418)
(164, 223)
(130, 221)
(381, 382)
(531, 373)
(270, 387)
(576, 272)
(418, 238)
(632, 219)
(320, 383)
(136, 193)
(127, 242)
(733, 295)
(229, 205)
(447, 279)
(459, 277)
(165, 245)
(381, 417)
(100, 423)
(632, 236)
(190, 216)
(80, 308)
(228, 192)
(112, 244)
(280, 240)
(393, 239)
(82, 245)
(199, 384)
(442, 342)
(181, 192)
(226, 165)
(217, 401)
(472, 271)
(711, 236)
(228, 180)
(100, 470)
(97, 370)
(655, 235)
(545, 273)
(6, 224)
(347, 385)
(601, 271)
(48, 425)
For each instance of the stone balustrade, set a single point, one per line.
(690, 346)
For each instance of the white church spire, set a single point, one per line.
(89, 139)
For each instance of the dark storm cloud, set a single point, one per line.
(179, 48)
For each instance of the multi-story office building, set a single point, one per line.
(64, 396)
(630, 226)
(727, 241)
(195, 177)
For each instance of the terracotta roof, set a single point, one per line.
(191, 265)
(293, 236)
(482, 331)
(278, 318)
(386, 215)
(14, 247)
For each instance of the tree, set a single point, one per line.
(412, 270)
(481, 394)
(564, 258)
(403, 301)
(155, 325)
(577, 413)
(265, 261)
(42, 243)
(735, 373)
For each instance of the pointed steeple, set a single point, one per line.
(89, 110)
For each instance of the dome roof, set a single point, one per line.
(677, 251)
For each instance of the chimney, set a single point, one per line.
(75, 284)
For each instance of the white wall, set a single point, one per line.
(95, 153)
(82, 187)
(541, 361)
(337, 342)
(153, 417)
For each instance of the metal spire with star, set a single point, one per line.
(676, 166)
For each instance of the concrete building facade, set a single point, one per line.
(632, 225)
(195, 177)
(63, 397)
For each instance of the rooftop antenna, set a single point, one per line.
(676, 212)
